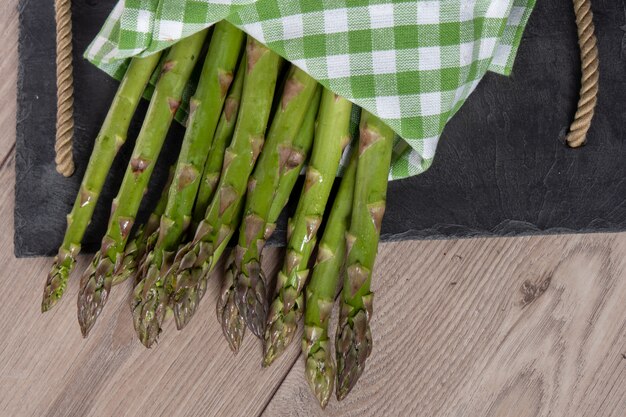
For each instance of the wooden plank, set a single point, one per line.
(490, 327)
(8, 69)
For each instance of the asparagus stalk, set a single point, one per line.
(96, 281)
(331, 137)
(222, 138)
(354, 339)
(195, 260)
(144, 239)
(150, 300)
(296, 98)
(233, 324)
(111, 137)
(322, 288)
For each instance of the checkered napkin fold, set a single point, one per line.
(411, 62)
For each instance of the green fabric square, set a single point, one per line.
(314, 46)
(360, 41)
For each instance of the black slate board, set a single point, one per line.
(501, 168)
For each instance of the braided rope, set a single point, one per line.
(65, 89)
(589, 65)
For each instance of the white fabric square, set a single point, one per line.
(388, 107)
(497, 9)
(429, 147)
(487, 47)
(381, 15)
(170, 30)
(338, 65)
(384, 62)
(300, 63)
(501, 55)
(428, 12)
(430, 104)
(255, 30)
(293, 26)
(429, 58)
(336, 21)
(466, 51)
(144, 18)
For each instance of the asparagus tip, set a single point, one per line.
(353, 347)
(56, 281)
(233, 324)
(185, 307)
(320, 374)
(149, 309)
(251, 299)
(95, 285)
(277, 342)
(280, 329)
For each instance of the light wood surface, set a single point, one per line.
(483, 327)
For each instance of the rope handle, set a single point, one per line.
(576, 137)
(589, 64)
(65, 88)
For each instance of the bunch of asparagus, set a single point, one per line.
(250, 131)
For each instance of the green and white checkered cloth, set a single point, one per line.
(411, 62)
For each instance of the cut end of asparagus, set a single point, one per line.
(149, 307)
(319, 367)
(353, 346)
(57, 278)
(233, 324)
(95, 285)
(251, 298)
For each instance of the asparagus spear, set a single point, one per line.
(354, 339)
(331, 137)
(96, 281)
(222, 138)
(195, 260)
(144, 239)
(296, 98)
(321, 291)
(233, 323)
(111, 137)
(150, 300)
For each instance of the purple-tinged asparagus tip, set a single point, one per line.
(233, 325)
(353, 346)
(95, 286)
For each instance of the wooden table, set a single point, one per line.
(484, 327)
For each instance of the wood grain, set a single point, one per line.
(489, 327)
(8, 69)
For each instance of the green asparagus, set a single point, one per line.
(331, 137)
(195, 260)
(322, 288)
(354, 339)
(111, 137)
(233, 324)
(150, 301)
(144, 238)
(297, 95)
(222, 138)
(97, 279)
